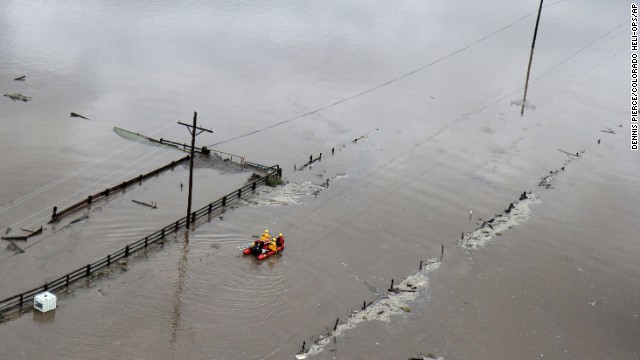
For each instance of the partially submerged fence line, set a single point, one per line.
(18, 301)
(102, 194)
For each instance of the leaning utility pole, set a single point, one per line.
(192, 131)
(533, 44)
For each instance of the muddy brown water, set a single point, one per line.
(439, 143)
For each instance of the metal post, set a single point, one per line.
(533, 44)
(193, 144)
(192, 129)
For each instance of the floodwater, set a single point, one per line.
(563, 283)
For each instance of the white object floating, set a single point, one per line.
(301, 356)
(45, 301)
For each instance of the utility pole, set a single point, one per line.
(533, 44)
(192, 130)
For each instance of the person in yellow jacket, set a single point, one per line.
(272, 245)
(265, 236)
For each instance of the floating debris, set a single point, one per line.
(152, 205)
(78, 115)
(17, 96)
(20, 78)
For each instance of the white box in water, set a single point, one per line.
(45, 301)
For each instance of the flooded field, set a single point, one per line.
(410, 105)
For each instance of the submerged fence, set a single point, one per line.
(102, 194)
(18, 301)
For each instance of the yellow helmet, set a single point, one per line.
(266, 231)
(280, 234)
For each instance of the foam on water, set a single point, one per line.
(518, 214)
(383, 309)
(288, 194)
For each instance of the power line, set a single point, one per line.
(385, 83)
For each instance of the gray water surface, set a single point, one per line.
(437, 143)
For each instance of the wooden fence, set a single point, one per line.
(137, 180)
(63, 282)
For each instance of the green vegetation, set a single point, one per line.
(274, 181)
(405, 309)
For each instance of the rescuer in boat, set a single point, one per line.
(262, 243)
(276, 242)
(280, 240)
(272, 246)
(265, 236)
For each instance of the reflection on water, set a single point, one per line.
(44, 318)
(177, 295)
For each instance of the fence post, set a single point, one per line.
(253, 186)
(108, 259)
(67, 282)
(224, 201)
(55, 210)
(210, 207)
(21, 299)
(88, 270)
(46, 286)
(193, 217)
(177, 225)
(162, 233)
(140, 179)
(89, 199)
(146, 241)
(126, 251)
(239, 193)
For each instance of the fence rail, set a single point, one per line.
(63, 282)
(138, 179)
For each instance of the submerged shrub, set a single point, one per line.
(274, 181)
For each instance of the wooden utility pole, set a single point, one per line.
(192, 130)
(533, 44)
